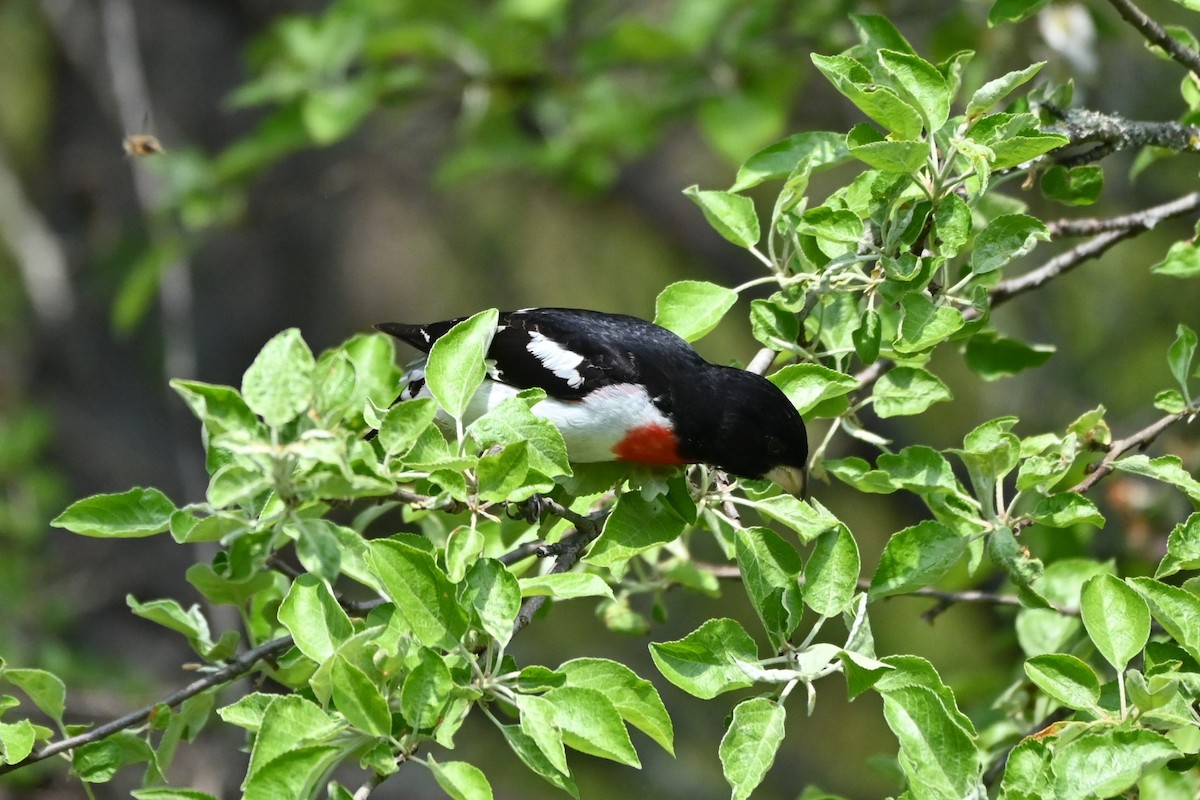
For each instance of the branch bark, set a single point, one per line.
(1154, 33)
(234, 669)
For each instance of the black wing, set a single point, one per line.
(570, 352)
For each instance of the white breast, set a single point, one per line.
(591, 427)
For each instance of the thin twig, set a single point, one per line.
(570, 550)
(1143, 220)
(731, 572)
(762, 361)
(1140, 440)
(1154, 33)
(239, 666)
(1059, 265)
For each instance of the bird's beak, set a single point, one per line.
(793, 480)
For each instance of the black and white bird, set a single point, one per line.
(623, 389)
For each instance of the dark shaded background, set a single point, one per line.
(373, 228)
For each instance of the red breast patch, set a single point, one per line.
(649, 444)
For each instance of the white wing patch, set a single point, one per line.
(556, 358)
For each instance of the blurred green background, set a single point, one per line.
(333, 165)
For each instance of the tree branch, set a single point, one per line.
(1060, 264)
(234, 669)
(1154, 33)
(1112, 132)
(1140, 440)
(569, 551)
(1143, 220)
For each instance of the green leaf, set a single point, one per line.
(809, 519)
(692, 309)
(1170, 401)
(532, 756)
(1027, 774)
(876, 32)
(837, 231)
(463, 546)
(887, 155)
(294, 773)
(220, 408)
(936, 752)
(494, 594)
(1179, 357)
(749, 745)
(868, 336)
(731, 215)
(1013, 10)
(455, 367)
(914, 557)
(461, 780)
(856, 472)
(1183, 548)
(248, 711)
(1177, 611)
(770, 570)
(1067, 679)
(170, 614)
(908, 390)
(924, 324)
(996, 90)
(880, 103)
(708, 661)
(279, 384)
(565, 585)
(590, 723)
(1066, 510)
(317, 547)
(313, 616)
(97, 762)
(809, 385)
(45, 689)
(992, 356)
(634, 698)
(1074, 186)
(404, 423)
(169, 793)
(1182, 261)
(359, 699)
(634, 526)
(132, 514)
(426, 691)
(1014, 558)
(831, 575)
(289, 722)
(512, 422)
(16, 741)
(1168, 469)
(424, 596)
(919, 83)
(1116, 618)
(815, 149)
(1012, 151)
(1006, 237)
(952, 225)
(537, 722)
(919, 469)
(1105, 761)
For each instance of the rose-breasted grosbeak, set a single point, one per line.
(621, 388)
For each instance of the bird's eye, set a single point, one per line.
(775, 446)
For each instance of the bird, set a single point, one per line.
(620, 388)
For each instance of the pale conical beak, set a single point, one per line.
(793, 480)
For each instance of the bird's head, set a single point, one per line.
(756, 432)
